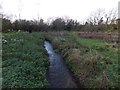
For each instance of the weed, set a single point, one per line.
(24, 60)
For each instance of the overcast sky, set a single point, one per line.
(75, 9)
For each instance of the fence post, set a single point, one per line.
(0, 51)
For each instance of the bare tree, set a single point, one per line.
(103, 20)
(111, 19)
(96, 17)
(111, 16)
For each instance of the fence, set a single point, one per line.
(100, 35)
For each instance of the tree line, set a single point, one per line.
(97, 21)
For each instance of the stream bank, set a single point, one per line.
(58, 74)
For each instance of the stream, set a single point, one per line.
(58, 75)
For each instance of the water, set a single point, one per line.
(58, 75)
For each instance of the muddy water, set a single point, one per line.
(58, 75)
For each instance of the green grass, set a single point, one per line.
(90, 42)
(24, 60)
(93, 62)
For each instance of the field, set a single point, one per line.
(42, 49)
(92, 62)
(24, 60)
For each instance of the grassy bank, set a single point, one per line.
(24, 60)
(93, 62)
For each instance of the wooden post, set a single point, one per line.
(118, 22)
(0, 51)
(119, 16)
(0, 22)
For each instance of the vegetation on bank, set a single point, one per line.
(93, 62)
(24, 60)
